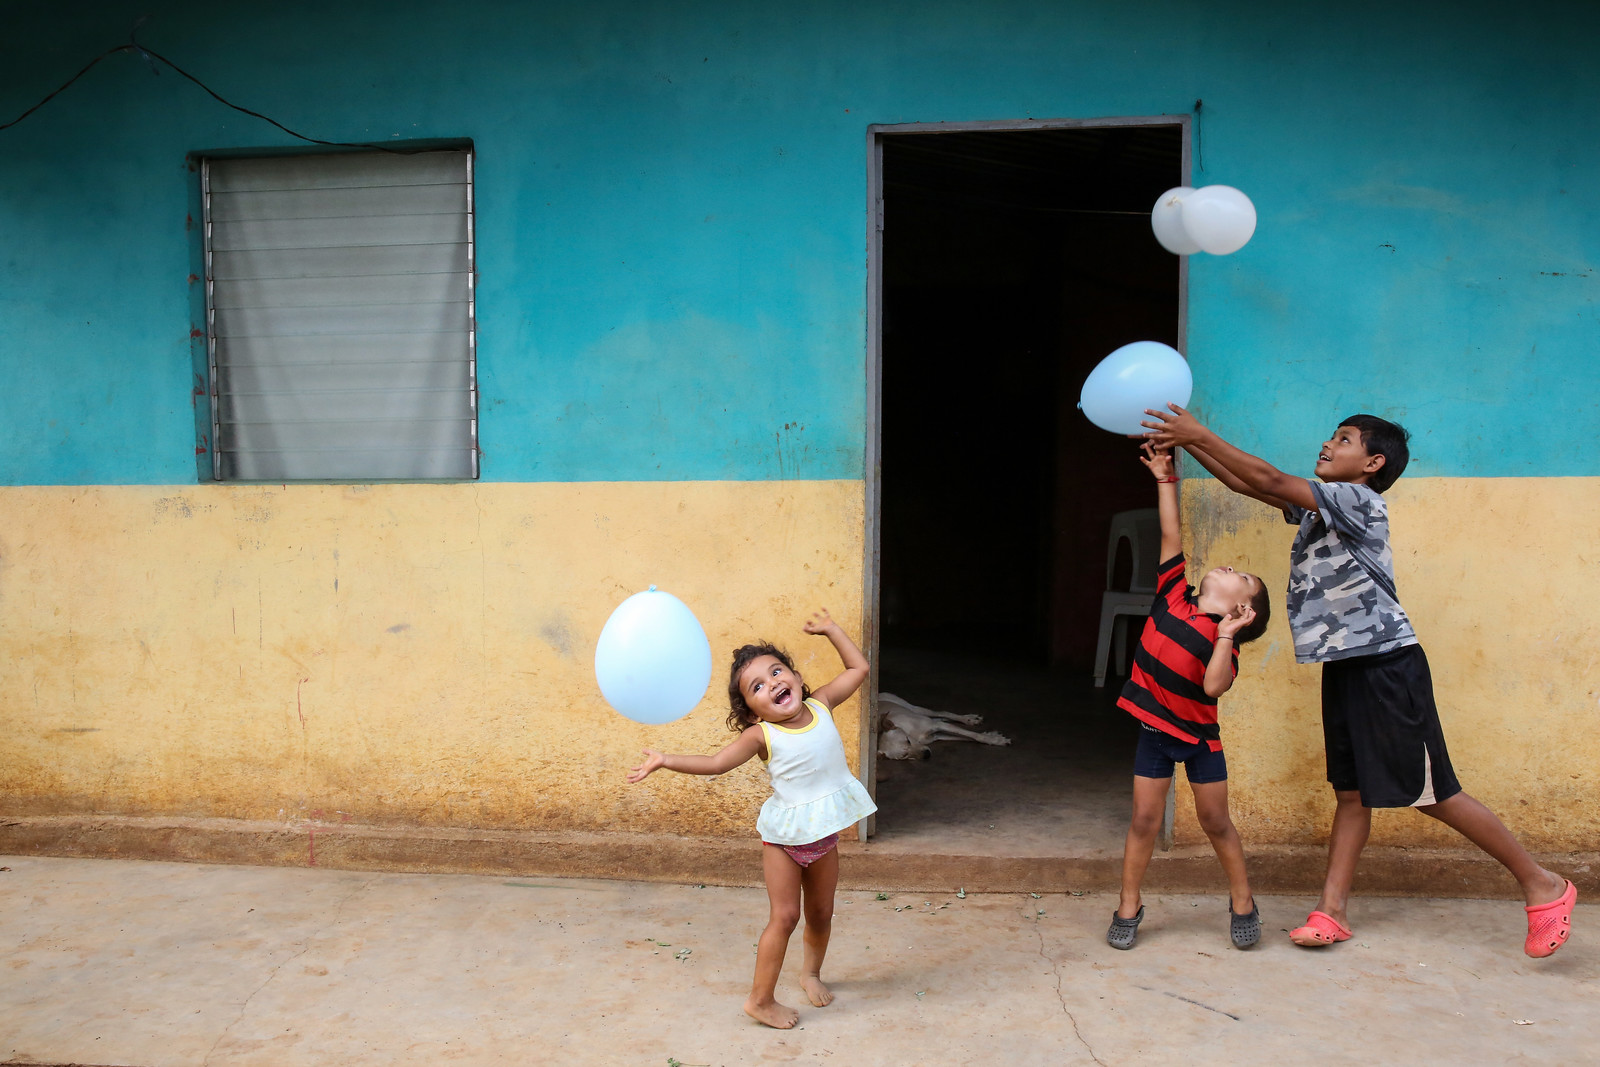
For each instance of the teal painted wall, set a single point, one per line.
(671, 220)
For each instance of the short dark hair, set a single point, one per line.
(739, 714)
(1380, 437)
(1262, 603)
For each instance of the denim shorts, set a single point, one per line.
(1159, 752)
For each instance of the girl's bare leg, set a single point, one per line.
(1211, 809)
(1149, 808)
(783, 896)
(819, 881)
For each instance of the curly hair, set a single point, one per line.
(740, 714)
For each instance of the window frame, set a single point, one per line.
(201, 162)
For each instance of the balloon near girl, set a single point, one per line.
(653, 662)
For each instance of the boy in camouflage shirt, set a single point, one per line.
(1385, 747)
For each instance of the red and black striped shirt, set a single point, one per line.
(1166, 687)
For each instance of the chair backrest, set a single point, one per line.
(1141, 528)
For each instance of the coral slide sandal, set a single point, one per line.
(1320, 929)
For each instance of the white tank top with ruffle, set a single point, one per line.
(813, 792)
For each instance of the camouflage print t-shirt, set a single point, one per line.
(1342, 600)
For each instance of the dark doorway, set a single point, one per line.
(1012, 261)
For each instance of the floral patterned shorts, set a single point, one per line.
(806, 855)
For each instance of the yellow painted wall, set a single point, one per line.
(422, 655)
(391, 654)
(1499, 576)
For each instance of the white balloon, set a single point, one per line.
(653, 661)
(1145, 374)
(1166, 219)
(1219, 218)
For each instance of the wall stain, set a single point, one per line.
(557, 633)
(1213, 516)
(178, 507)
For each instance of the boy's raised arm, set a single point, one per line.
(1178, 428)
(1229, 479)
(1164, 466)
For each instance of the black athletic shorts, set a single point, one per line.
(1382, 730)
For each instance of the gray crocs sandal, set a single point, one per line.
(1123, 932)
(1244, 929)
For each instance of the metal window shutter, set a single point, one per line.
(341, 318)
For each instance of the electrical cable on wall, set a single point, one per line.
(153, 58)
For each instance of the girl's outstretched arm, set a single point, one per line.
(739, 752)
(855, 670)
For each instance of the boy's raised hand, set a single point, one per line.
(1174, 428)
(1241, 616)
(1159, 460)
(653, 761)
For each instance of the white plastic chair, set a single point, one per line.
(1141, 528)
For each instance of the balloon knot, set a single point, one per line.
(652, 589)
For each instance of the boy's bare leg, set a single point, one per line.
(819, 882)
(1468, 817)
(1149, 808)
(1352, 825)
(1211, 808)
(783, 896)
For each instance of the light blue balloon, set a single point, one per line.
(653, 661)
(1145, 374)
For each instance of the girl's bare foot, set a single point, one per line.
(778, 1016)
(819, 995)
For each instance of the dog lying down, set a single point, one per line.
(905, 730)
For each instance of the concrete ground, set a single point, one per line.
(146, 964)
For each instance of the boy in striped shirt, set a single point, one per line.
(1187, 658)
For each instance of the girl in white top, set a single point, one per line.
(814, 796)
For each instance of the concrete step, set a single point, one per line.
(902, 866)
